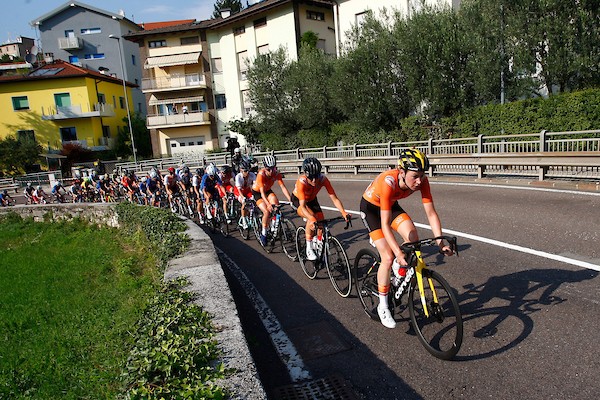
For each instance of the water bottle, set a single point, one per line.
(319, 242)
(399, 271)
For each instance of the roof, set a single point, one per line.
(61, 69)
(164, 24)
(74, 3)
(188, 26)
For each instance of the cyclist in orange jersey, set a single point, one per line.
(263, 195)
(383, 215)
(304, 197)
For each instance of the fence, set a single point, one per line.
(543, 155)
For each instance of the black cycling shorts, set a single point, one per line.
(372, 214)
(313, 205)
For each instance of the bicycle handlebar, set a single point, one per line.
(348, 221)
(412, 246)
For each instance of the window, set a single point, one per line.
(315, 15)
(157, 43)
(114, 102)
(133, 59)
(361, 17)
(122, 102)
(68, 134)
(239, 30)
(69, 33)
(260, 22)
(217, 65)
(73, 59)
(105, 131)
(190, 40)
(95, 56)
(262, 50)
(26, 136)
(89, 31)
(101, 98)
(242, 57)
(220, 101)
(20, 103)
(173, 144)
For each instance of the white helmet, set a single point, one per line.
(153, 174)
(38, 187)
(144, 179)
(270, 161)
(211, 170)
(236, 150)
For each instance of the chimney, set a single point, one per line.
(48, 58)
(225, 12)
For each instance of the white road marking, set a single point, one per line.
(283, 345)
(555, 257)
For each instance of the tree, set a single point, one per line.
(233, 5)
(17, 156)
(141, 136)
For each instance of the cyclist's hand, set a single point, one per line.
(401, 259)
(446, 250)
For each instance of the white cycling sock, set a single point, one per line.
(383, 300)
(264, 231)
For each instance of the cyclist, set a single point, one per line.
(153, 186)
(304, 198)
(5, 198)
(208, 187)
(76, 191)
(102, 188)
(236, 160)
(56, 191)
(243, 188)
(383, 216)
(171, 186)
(39, 195)
(196, 181)
(143, 189)
(263, 195)
(28, 192)
(185, 184)
(226, 186)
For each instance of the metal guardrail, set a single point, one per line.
(543, 155)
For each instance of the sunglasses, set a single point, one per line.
(271, 168)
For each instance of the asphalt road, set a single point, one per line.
(531, 320)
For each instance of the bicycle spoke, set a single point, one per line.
(338, 267)
(309, 267)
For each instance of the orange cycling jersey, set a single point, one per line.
(303, 190)
(385, 190)
(264, 181)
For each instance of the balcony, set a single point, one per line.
(76, 111)
(177, 120)
(70, 43)
(174, 82)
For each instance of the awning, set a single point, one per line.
(177, 59)
(154, 101)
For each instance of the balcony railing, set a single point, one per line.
(173, 82)
(182, 119)
(77, 111)
(70, 43)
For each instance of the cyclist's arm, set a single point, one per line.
(336, 201)
(436, 227)
(284, 189)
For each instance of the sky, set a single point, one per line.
(17, 14)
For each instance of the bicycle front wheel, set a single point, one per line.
(441, 332)
(365, 269)
(338, 267)
(287, 235)
(309, 267)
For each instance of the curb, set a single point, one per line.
(201, 266)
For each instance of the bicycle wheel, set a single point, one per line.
(245, 232)
(441, 333)
(338, 267)
(287, 235)
(222, 221)
(366, 264)
(309, 267)
(257, 227)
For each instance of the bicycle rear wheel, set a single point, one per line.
(287, 235)
(309, 267)
(222, 222)
(338, 267)
(441, 333)
(366, 265)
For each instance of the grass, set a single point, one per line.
(69, 293)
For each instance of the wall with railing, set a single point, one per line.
(543, 155)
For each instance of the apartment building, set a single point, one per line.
(177, 86)
(60, 103)
(18, 48)
(80, 34)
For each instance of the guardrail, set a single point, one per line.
(543, 155)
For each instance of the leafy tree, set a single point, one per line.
(310, 39)
(246, 127)
(233, 5)
(141, 136)
(16, 156)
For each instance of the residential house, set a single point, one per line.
(60, 103)
(80, 34)
(18, 48)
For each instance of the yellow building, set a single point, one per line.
(61, 103)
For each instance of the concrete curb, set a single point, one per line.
(202, 268)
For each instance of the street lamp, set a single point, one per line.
(118, 39)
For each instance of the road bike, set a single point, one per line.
(280, 229)
(253, 221)
(330, 255)
(215, 217)
(434, 312)
(233, 208)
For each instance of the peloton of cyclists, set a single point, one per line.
(264, 196)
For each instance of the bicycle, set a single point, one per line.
(330, 255)
(215, 217)
(434, 311)
(280, 228)
(253, 222)
(233, 207)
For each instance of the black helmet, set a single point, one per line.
(413, 160)
(312, 167)
(199, 171)
(186, 170)
(245, 165)
(226, 168)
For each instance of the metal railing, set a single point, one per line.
(564, 155)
